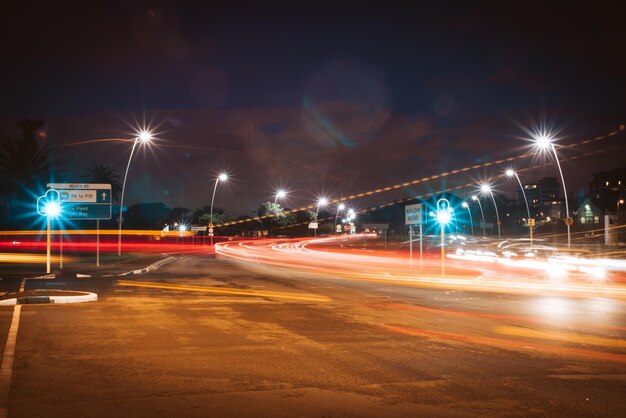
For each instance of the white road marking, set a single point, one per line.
(6, 370)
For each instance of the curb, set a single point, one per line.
(80, 298)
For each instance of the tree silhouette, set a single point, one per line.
(99, 173)
(25, 165)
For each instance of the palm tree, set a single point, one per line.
(99, 173)
(25, 164)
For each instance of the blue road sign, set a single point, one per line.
(84, 201)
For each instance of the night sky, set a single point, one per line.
(318, 98)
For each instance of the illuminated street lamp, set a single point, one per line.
(486, 188)
(619, 202)
(511, 173)
(543, 142)
(469, 213)
(321, 202)
(143, 137)
(223, 177)
(476, 199)
(340, 206)
(443, 216)
(280, 194)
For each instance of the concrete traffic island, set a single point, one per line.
(38, 297)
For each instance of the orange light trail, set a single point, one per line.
(297, 255)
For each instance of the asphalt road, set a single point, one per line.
(212, 336)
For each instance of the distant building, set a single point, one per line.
(608, 188)
(543, 198)
(588, 214)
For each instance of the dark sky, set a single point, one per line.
(320, 98)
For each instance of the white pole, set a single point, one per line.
(421, 258)
(558, 164)
(60, 248)
(98, 243)
(212, 200)
(482, 214)
(497, 215)
(48, 248)
(119, 238)
(411, 246)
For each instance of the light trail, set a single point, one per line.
(473, 272)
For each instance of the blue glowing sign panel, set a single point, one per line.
(84, 201)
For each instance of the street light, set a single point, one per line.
(443, 217)
(143, 137)
(280, 194)
(619, 202)
(543, 142)
(469, 213)
(511, 173)
(340, 206)
(321, 202)
(486, 188)
(221, 177)
(476, 199)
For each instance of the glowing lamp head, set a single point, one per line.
(52, 209)
(222, 177)
(341, 206)
(281, 194)
(322, 201)
(621, 201)
(443, 217)
(543, 141)
(474, 197)
(464, 205)
(510, 173)
(183, 228)
(144, 136)
(485, 188)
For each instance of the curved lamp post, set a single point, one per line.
(144, 137)
(476, 199)
(321, 202)
(512, 173)
(544, 143)
(340, 206)
(222, 177)
(469, 213)
(486, 188)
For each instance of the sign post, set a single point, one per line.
(86, 202)
(413, 216)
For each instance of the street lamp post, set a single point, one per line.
(476, 199)
(144, 137)
(486, 188)
(322, 201)
(340, 206)
(469, 213)
(443, 217)
(222, 177)
(619, 202)
(544, 142)
(512, 173)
